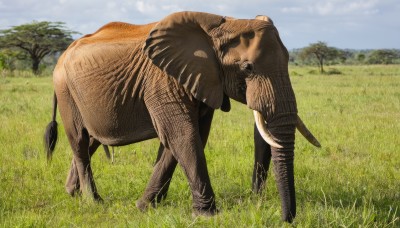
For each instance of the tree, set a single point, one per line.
(9, 58)
(361, 57)
(343, 55)
(382, 56)
(321, 52)
(37, 39)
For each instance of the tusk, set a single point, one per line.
(306, 133)
(262, 128)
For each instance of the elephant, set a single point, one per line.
(127, 83)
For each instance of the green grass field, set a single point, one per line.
(352, 181)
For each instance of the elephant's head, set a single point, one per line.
(214, 57)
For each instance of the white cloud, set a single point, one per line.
(293, 10)
(111, 5)
(145, 7)
(171, 8)
(325, 8)
(335, 7)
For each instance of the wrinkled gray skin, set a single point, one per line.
(128, 83)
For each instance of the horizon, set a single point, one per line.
(353, 25)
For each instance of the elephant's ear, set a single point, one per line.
(181, 47)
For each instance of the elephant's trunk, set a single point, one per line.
(276, 119)
(283, 129)
(283, 168)
(282, 132)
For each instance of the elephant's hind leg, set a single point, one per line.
(72, 184)
(81, 175)
(160, 180)
(81, 162)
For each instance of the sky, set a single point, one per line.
(353, 24)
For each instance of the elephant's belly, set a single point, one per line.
(129, 138)
(120, 127)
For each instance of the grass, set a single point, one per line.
(353, 181)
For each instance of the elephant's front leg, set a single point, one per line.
(262, 159)
(187, 148)
(165, 165)
(175, 118)
(193, 163)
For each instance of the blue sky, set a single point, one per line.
(355, 24)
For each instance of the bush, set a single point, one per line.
(294, 73)
(333, 71)
(313, 72)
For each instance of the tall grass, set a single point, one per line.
(353, 181)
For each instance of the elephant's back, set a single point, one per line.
(115, 32)
(106, 87)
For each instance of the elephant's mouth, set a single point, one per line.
(267, 136)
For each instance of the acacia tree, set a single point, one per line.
(321, 52)
(37, 39)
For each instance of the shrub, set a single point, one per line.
(333, 71)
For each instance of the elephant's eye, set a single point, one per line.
(247, 66)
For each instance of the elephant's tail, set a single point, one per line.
(50, 135)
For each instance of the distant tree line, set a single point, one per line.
(37, 46)
(321, 54)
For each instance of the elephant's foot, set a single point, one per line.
(161, 195)
(152, 199)
(91, 197)
(205, 208)
(258, 187)
(143, 204)
(73, 190)
(97, 198)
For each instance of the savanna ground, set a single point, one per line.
(352, 181)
